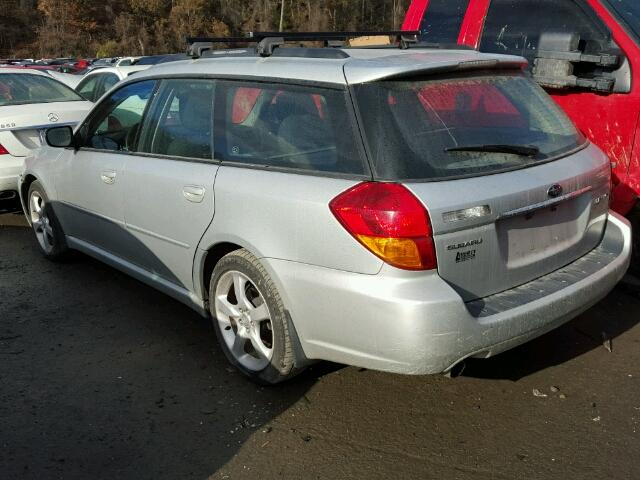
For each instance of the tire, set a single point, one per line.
(254, 330)
(44, 222)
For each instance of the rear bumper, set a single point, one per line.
(10, 169)
(415, 323)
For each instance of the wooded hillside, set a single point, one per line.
(60, 28)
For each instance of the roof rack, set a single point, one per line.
(267, 42)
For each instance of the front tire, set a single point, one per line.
(46, 227)
(250, 319)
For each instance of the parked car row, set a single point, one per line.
(72, 66)
(394, 209)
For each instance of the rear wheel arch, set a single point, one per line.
(217, 252)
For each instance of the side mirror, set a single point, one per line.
(560, 64)
(60, 137)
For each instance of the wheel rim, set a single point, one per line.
(244, 320)
(41, 222)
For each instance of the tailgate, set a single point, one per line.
(496, 232)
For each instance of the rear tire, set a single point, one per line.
(44, 222)
(250, 320)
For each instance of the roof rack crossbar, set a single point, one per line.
(268, 41)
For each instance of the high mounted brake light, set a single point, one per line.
(390, 222)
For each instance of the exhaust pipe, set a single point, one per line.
(8, 195)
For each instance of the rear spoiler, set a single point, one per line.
(354, 76)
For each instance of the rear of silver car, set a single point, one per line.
(517, 207)
(30, 103)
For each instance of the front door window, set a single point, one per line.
(115, 124)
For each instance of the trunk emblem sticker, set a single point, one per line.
(555, 191)
(465, 256)
(470, 243)
(53, 117)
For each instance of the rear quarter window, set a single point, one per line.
(286, 126)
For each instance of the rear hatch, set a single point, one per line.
(496, 232)
(22, 126)
(513, 190)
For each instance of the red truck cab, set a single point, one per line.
(586, 53)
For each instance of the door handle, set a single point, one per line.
(193, 193)
(108, 177)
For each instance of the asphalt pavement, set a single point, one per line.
(102, 377)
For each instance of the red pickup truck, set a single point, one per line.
(586, 53)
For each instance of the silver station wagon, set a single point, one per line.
(394, 209)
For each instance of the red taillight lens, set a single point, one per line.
(388, 220)
(3, 151)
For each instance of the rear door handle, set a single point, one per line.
(193, 193)
(108, 177)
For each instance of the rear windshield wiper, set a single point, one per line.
(525, 150)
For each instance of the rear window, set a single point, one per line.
(22, 89)
(287, 126)
(461, 126)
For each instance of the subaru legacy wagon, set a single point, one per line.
(400, 210)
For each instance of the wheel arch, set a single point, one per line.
(208, 257)
(212, 256)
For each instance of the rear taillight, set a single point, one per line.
(3, 151)
(388, 220)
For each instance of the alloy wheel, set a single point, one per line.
(244, 320)
(41, 222)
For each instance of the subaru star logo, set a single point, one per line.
(53, 117)
(555, 191)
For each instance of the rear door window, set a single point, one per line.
(443, 128)
(180, 121)
(442, 21)
(305, 128)
(514, 26)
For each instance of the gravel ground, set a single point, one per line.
(103, 377)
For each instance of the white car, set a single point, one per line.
(97, 82)
(126, 61)
(30, 102)
(69, 79)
